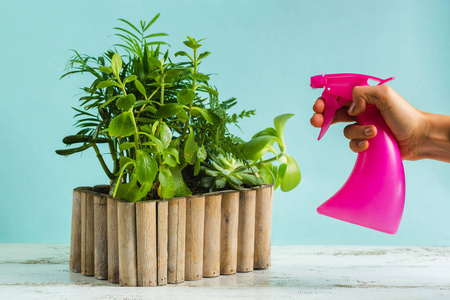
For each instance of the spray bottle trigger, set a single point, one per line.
(331, 106)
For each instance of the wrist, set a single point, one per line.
(434, 142)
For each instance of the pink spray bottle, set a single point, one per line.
(374, 194)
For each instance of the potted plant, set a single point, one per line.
(177, 175)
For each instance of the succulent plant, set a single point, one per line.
(225, 170)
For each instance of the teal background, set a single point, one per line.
(264, 53)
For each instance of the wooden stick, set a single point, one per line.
(146, 243)
(102, 188)
(246, 230)
(126, 221)
(177, 235)
(228, 232)
(113, 241)
(87, 233)
(100, 237)
(211, 248)
(263, 225)
(195, 220)
(75, 238)
(162, 228)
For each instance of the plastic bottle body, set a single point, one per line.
(374, 194)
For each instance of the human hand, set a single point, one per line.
(408, 124)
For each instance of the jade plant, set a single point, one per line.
(164, 126)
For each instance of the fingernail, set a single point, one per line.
(368, 131)
(352, 107)
(361, 144)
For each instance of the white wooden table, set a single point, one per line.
(40, 271)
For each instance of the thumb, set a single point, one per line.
(363, 95)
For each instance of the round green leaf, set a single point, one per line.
(146, 167)
(167, 183)
(181, 188)
(107, 83)
(185, 96)
(168, 110)
(126, 102)
(199, 76)
(122, 125)
(201, 153)
(166, 135)
(291, 178)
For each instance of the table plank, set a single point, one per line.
(41, 271)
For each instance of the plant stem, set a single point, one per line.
(193, 88)
(113, 152)
(143, 106)
(136, 135)
(273, 158)
(102, 162)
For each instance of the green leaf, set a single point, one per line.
(155, 141)
(169, 160)
(155, 62)
(280, 175)
(182, 53)
(166, 135)
(185, 96)
(203, 55)
(128, 191)
(291, 177)
(146, 167)
(125, 160)
(210, 90)
(173, 152)
(116, 63)
(181, 188)
(199, 76)
(251, 150)
(266, 174)
(140, 88)
(209, 116)
(107, 83)
(66, 152)
(183, 115)
(122, 125)
(167, 183)
(106, 70)
(168, 110)
(129, 79)
(150, 109)
(190, 148)
(126, 102)
(153, 75)
(201, 153)
(220, 182)
(197, 167)
(110, 100)
(279, 123)
(268, 132)
(126, 146)
(174, 72)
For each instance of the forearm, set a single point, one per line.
(436, 138)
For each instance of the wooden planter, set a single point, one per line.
(150, 243)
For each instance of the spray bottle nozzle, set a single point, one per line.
(317, 82)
